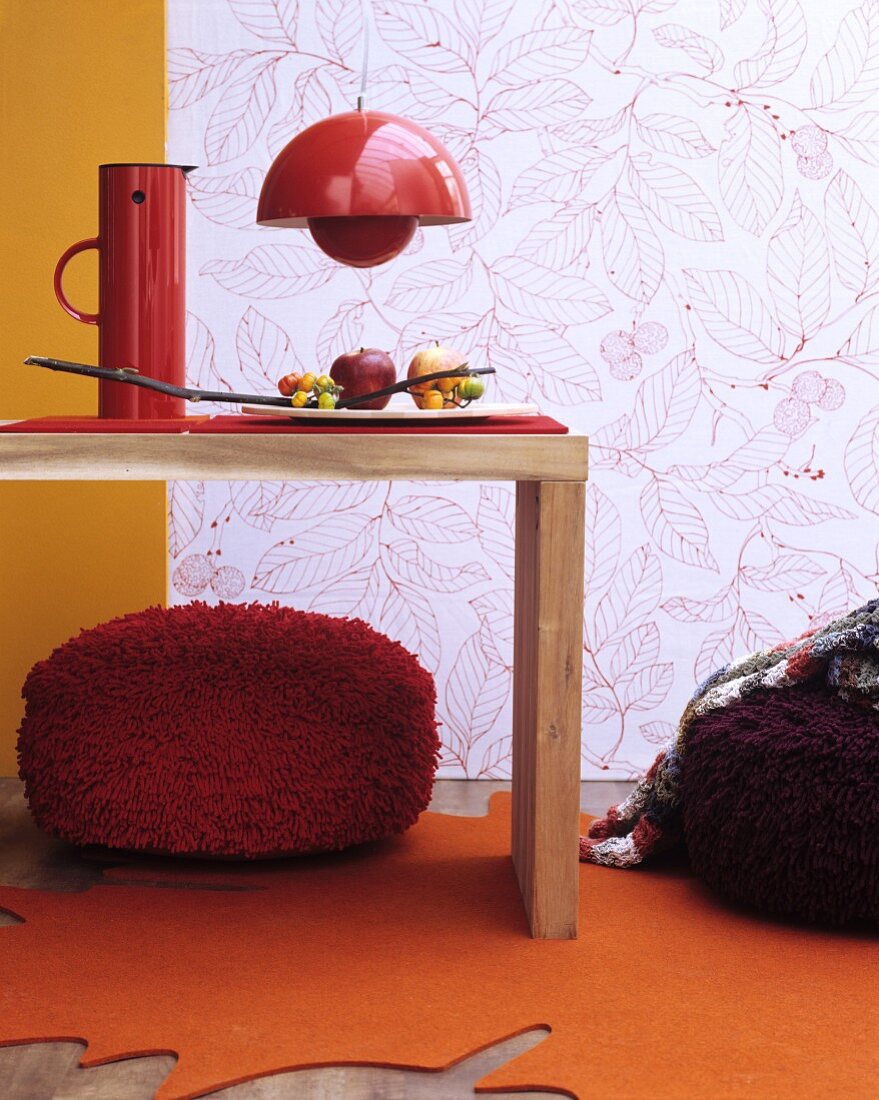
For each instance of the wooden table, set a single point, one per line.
(550, 474)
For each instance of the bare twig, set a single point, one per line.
(133, 378)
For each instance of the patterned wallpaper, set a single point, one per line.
(675, 249)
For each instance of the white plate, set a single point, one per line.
(476, 411)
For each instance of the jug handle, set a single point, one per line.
(80, 246)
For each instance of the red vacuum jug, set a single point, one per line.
(141, 314)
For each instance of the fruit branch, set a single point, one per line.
(132, 377)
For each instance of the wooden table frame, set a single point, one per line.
(550, 473)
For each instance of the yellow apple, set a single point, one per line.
(430, 361)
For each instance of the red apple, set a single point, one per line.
(430, 361)
(363, 371)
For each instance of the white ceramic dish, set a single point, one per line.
(476, 411)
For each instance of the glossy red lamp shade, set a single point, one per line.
(361, 182)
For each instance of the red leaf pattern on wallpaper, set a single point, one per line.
(265, 351)
(735, 315)
(664, 404)
(484, 184)
(647, 688)
(604, 534)
(272, 20)
(541, 54)
(561, 241)
(354, 596)
(317, 94)
(340, 26)
(860, 137)
(273, 271)
(635, 651)
(702, 50)
(279, 132)
(687, 610)
(718, 649)
(633, 255)
(786, 572)
(853, 231)
(781, 504)
(781, 50)
(342, 332)
(495, 521)
(631, 598)
(495, 611)
(317, 556)
(560, 177)
(432, 519)
(837, 595)
(849, 72)
(253, 501)
(676, 200)
(193, 75)
(420, 96)
(863, 344)
(534, 291)
(673, 134)
(539, 104)
(481, 20)
(730, 11)
(583, 131)
(799, 272)
(475, 692)
(497, 760)
(603, 13)
(410, 563)
(201, 363)
(762, 451)
(599, 703)
(675, 249)
(185, 514)
(749, 172)
(657, 733)
(424, 36)
(862, 461)
(515, 382)
(431, 286)
(408, 616)
(227, 200)
(676, 524)
(756, 631)
(241, 112)
(296, 501)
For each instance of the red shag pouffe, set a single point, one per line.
(238, 730)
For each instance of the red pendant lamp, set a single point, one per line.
(361, 182)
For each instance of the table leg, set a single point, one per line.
(547, 680)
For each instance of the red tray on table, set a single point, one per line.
(255, 425)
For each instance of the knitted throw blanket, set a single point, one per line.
(844, 655)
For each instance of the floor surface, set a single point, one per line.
(50, 1071)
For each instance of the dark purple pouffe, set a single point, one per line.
(781, 804)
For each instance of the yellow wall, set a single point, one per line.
(83, 82)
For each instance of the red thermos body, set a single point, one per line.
(141, 316)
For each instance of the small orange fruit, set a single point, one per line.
(432, 399)
(288, 384)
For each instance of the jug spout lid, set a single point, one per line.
(184, 168)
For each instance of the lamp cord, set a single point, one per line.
(361, 99)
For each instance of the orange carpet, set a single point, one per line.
(414, 953)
